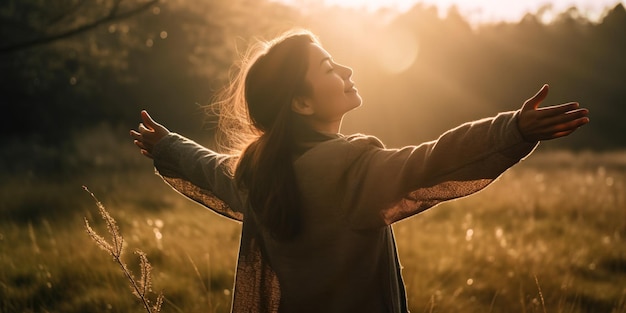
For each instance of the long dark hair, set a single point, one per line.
(268, 83)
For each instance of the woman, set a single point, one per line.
(316, 205)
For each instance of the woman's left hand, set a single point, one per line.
(148, 134)
(551, 122)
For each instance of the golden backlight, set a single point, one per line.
(416, 62)
(480, 11)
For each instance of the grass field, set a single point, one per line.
(549, 236)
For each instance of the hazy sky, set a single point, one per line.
(485, 10)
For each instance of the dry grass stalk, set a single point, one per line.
(543, 303)
(140, 288)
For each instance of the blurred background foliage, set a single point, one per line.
(72, 66)
(76, 73)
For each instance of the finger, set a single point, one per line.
(572, 125)
(143, 129)
(569, 128)
(135, 134)
(558, 109)
(148, 121)
(564, 129)
(577, 123)
(533, 103)
(566, 117)
(147, 154)
(142, 145)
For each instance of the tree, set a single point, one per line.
(32, 23)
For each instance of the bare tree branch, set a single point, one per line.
(67, 13)
(110, 17)
(116, 6)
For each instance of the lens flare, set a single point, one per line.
(397, 50)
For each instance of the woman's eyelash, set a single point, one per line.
(331, 67)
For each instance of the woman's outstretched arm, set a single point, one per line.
(460, 162)
(193, 170)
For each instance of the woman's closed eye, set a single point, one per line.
(330, 68)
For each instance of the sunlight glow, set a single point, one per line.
(480, 11)
(397, 50)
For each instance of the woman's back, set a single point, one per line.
(333, 265)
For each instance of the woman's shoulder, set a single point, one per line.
(344, 147)
(361, 139)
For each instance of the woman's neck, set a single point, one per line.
(324, 127)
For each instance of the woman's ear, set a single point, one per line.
(302, 106)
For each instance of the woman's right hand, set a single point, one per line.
(148, 134)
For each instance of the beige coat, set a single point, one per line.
(353, 189)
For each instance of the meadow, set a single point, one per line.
(548, 236)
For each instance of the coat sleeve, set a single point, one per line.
(388, 185)
(199, 174)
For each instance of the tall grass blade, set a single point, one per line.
(141, 288)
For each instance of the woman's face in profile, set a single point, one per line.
(332, 92)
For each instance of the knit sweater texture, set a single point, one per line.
(353, 190)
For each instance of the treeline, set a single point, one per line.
(462, 73)
(419, 73)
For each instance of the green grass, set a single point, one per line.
(549, 236)
(554, 227)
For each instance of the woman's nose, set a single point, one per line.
(346, 72)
